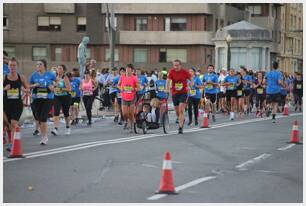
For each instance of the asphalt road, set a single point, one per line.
(245, 160)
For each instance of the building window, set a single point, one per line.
(167, 24)
(217, 26)
(106, 23)
(162, 55)
(173, 54)
(255, 10)
(49, 23)
(140, 55)
(39, 53)
(81, 24)
(107, 55)
(58, 54)
(11, 51)
(141, 24)
(221, 23)
(178, 24)
(5, 22)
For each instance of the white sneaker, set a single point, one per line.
(232, 114)
(44, 140)
(54, 132)
(68, 131)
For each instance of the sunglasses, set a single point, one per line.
(39, 64)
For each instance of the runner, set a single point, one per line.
(42, 82)
(179, 77)
(240, 95)
(12, 100)
(283, 95)
(160, 90)
(87, 87)
(119, 95)
(298, 91)
(210, 80)
(113, 92)
(75, 82)
(260, 92)
(194, 96)
(274, 82)
(128, 84)
(247, 82)
(62, 99)
(230, 82)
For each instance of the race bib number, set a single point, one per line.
(128, 89)
(299, 86)
(42, 93)
(231, 86)
(178, 86)
(76, 104)
(239, 92)
(57, 90)
(73, 94)
(161, 88)
(87, 92)
(259, 90)
(13, 93)
(119, 95)
(192, 92)
(209, 86)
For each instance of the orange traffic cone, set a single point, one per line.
(16, 151)
(205, 120)
(295, 133)
(166, 181)
(286, 111)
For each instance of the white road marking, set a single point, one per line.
(286, 147)
(149, 165)
(184, 186)
(130, 139)
(243, 166)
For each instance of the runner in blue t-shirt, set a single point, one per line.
(143, 81)
(119, 96)
(75, 82)
(231, 82)
(42, 82)
(274, 82)
(211, 84)
(194, 96)
(161, 94)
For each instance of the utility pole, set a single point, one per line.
(110, 15)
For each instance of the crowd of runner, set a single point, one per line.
(236, 93)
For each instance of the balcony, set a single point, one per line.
(166, 38)
(162, 8)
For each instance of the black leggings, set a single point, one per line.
(63, 102)
(260, 98)
(193, 102)
(42, 108)
(298, 98)
(88, 101)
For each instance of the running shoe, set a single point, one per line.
(9, 147)
(54, 132)
(300, 109)
(177, 121)
(125, 125)
(273, 121)
(213, 118)
(44, 140)
(180, 130)
(196, 123)
(295, 109)
(68, 131)
(189, 123)
(116, 118)
(36, 133)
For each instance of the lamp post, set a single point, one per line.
(228, 40)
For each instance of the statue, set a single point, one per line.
(82, 50)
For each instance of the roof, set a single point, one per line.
(243, 30)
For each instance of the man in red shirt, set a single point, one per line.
(179, 77)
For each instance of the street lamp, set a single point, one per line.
(228, 41)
